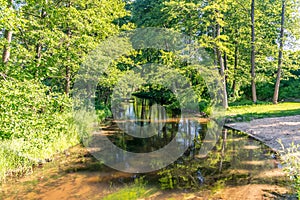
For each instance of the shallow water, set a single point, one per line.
(233, 165)
(228, 158)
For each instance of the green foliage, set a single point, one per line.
(198, 19)
(65, 31)
(204, 106)
(35, 124)
(156, 83)
(103, 113)
(135, 191)
(11, 160)
(291, 163)
(290, 89)
(50, 41)
(246, 102)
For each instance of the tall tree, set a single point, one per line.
(221, 61)
(253, 85)
(277, 84)
(53, 39)
(67, 67)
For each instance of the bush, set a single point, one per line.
(35, 124)
(291, 161)
(247, 102)
(290, 90)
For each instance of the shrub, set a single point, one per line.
(35, 124)
(291, 161)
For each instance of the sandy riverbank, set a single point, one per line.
(272, 130)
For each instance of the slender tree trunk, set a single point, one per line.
(215, 47)
(225, 67)
(253, 86)
(38, 57)
(39, 46)
(277, 84)
(8, 36)
(236, 51)
(222, 68)
(67, 67)
(6, 48)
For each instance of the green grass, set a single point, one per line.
(129, 193)
(249, 112)
(135, 191)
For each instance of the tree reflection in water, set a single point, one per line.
(235, 159)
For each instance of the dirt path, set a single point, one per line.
(272, 130)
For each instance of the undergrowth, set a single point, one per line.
(35, 124)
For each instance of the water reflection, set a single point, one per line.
(235, 158)
(146, 137)
(147, 127)
(141, 118)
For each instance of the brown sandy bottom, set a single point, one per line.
(77, 175)
(272, 130)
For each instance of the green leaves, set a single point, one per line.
(50, 36)
(35, 124)
(26, 111)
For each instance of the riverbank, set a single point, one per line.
(274, 132)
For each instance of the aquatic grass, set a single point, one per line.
(249, 112)
(129, 193)
(132, 192)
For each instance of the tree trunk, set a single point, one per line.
(277, 84)
(39, 46)
(8, 37)
(253, 86)
(67, 67)
(6, 48)
(215, 48)
(222, 68)
(38, 50)
(236, 50)
(225, 67)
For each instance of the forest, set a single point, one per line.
(253, 44)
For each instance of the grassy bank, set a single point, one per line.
(249, 112)
(35, 124)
